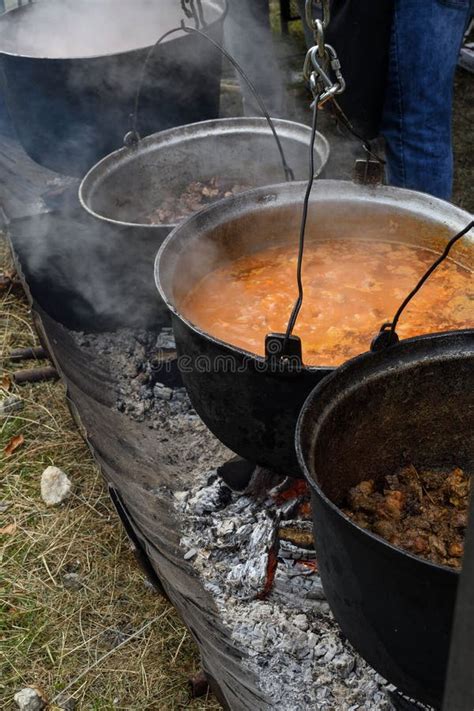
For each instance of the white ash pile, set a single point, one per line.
(149, 391)
(149, 388)
(254, 553)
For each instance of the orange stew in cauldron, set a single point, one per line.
(351, 288)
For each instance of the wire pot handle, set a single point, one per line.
(388, 334)
(198, 15)
(132, 138)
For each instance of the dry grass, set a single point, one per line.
(52, 635)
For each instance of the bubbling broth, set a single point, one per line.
(351, 288)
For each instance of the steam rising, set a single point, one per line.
(60, 29)
(106, 271)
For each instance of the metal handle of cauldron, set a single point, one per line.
(191, 12)
(388, 335)
(284, 351)
(132, 138)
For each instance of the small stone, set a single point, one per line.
(72, 581)
(66, 703)
(29, 699)
(162, 393)
(55, 486)
(10, 404)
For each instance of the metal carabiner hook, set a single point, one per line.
(317, 73)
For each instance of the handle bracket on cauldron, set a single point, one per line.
(387, 335)
(284, 354)
(192, 13)
(368, 171)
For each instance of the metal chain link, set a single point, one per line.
(311, 20)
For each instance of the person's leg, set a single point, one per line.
(249, 39)
(426, 39)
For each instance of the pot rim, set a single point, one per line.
(42, 58)
(166, 138)
(378, 359)
(268, 194)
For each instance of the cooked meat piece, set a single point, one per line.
(196, 196)
(424, 512)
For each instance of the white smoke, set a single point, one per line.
(58, 29)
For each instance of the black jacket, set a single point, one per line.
(359, 31)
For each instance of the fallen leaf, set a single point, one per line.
(8, 530)
(5, 382)
(13, 444)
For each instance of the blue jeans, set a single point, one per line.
(425, 44)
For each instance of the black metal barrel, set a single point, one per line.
(71, 67)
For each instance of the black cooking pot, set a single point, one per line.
(249, 407)
(413, 403)
(71, 69)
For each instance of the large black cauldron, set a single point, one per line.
(413, 403)
(71, 69)
(249, 408)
